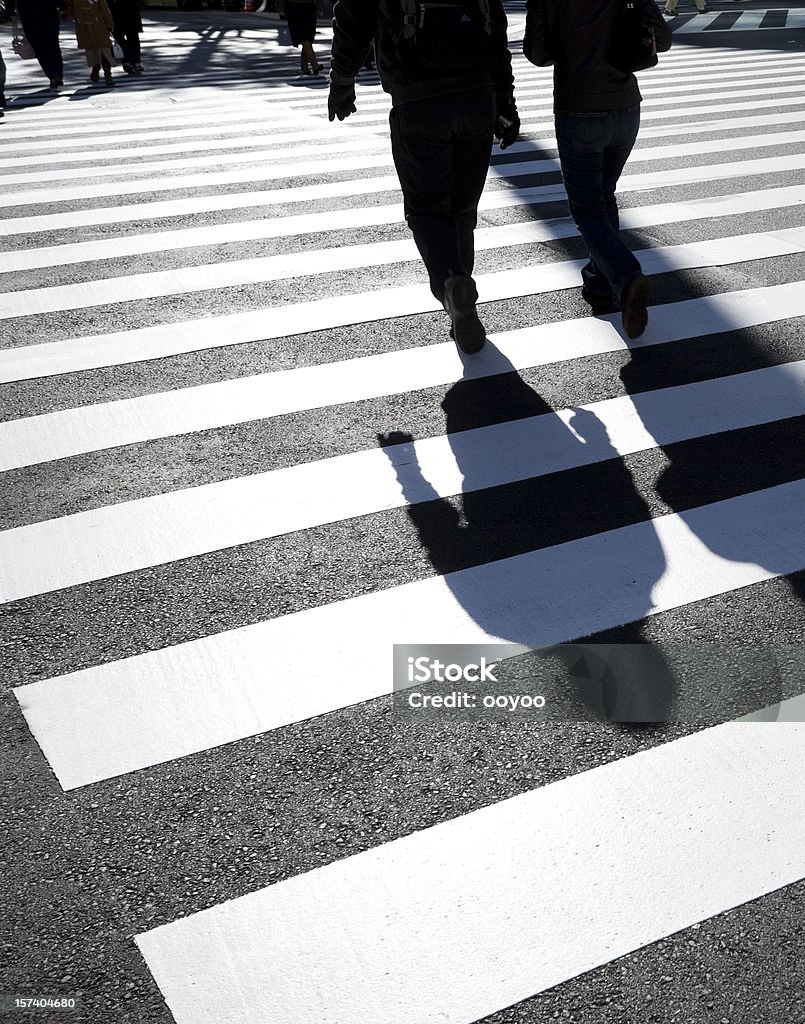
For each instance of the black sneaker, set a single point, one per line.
(460, 296)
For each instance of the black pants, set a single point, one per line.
(40, 23)
(130, 44)
(441, 148)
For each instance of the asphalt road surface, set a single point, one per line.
(242, 459)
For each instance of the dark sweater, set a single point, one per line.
(357, 22)
(575, 36)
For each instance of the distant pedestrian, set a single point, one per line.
(40, 20)
(128, 26)
(301, 15)
(597, 117)
(93, 28)
(670, 6)
(2, 85)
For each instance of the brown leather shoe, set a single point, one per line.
(633, 305)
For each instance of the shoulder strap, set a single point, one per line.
(408, 18)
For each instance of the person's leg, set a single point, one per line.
(134, 51)
(48, 51)
(624, 135)
(422, 149)
(472, 150)
(583, 140)
(670, 6)
(121, 38)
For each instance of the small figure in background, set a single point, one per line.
(2, 85)
(128, 26)
(301, 15)
(670, 6)
(93, 28)
(40, 21)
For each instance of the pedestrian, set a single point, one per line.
(93, 28)
(670, 6)
(301, 15)
(40, 20)
(128, 26)
(597, 117)
(447, 67)
(2, 85)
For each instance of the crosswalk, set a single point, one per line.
(242, 460)
(759, 19)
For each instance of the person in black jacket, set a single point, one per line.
(597, 117)
(447, 67)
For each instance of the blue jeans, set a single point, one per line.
(441, 148)
(593, 149)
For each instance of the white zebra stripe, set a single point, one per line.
(120, 247)
(95, 427)
(257, 270)
(660, 178)
(60, 129)
(162, 340)
(314, 139)
(154, 707)
(452, 923)
(316, 145)
(65, 135)
(255, 199)
(329, 165)
(138, 534)
(748, 21)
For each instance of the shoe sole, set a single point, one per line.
(635, 300)
(467, 331)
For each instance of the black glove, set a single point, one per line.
(507, 125)
(341, 101)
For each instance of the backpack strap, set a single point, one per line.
(408, 18)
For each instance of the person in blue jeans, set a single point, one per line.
(597, 118)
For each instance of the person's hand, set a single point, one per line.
(507, 124)
(341, 100)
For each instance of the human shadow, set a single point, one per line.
(698, 334)
(534, 483)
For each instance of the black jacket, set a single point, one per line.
(357, 22)
(575, 36)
